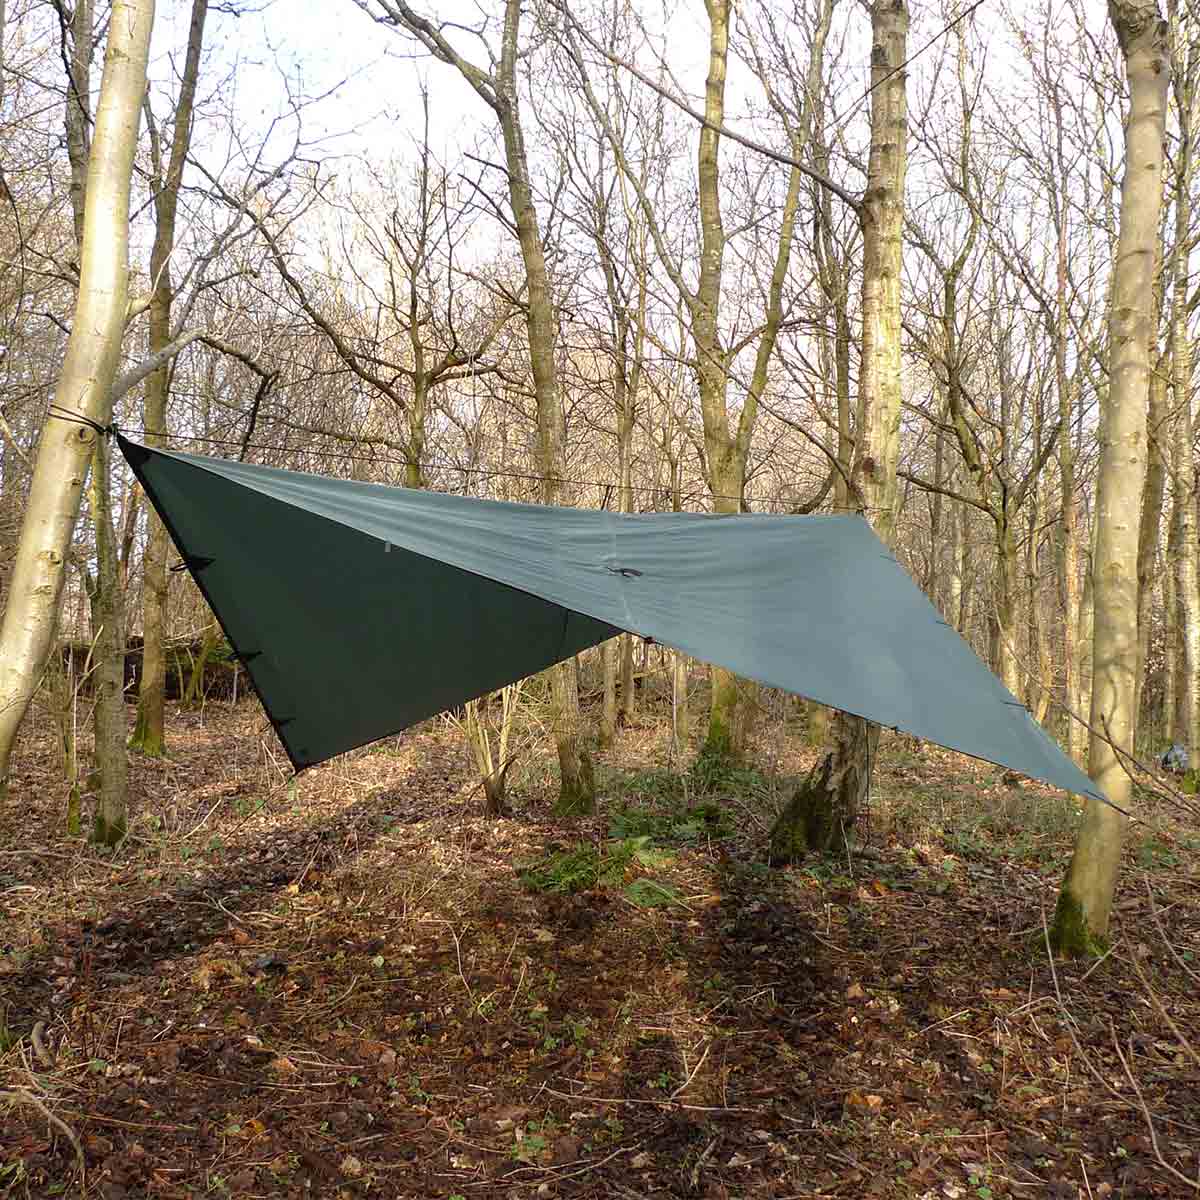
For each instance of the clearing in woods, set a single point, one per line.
(369, 989)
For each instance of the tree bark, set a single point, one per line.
(679, 702)
(1150, 531)
(1187, 571)
(608, 716)
(1085, 901)
(1183, 564)
(107, 599)
(85, 383)
(1172, 647)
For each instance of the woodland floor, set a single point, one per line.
(351, 991)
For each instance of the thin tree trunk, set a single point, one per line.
(1183, 565)
(958, 547)
(1172, 643)
(1085, 902)
(149, 731)
(1150, 531)
(725, 467)
(628, 697)
(108, 638)
(1040, 683)
(1187, 571)
(1006, 609)
(821, 814)
(679, 702)
(1083, 647)
(608, 717)
(499, 90)
(85, 384)
(578, 790)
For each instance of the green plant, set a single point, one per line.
(649, 893)
(575, 869)
(672, 823)
(1153, 853)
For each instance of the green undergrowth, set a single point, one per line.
(672, 823)
(616, 864)
(1018, 825)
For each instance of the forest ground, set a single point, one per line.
(367, 988)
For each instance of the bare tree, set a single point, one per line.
(166, 181)
(822, 812)
(1085, 902)
(499, 88)
(85, 384)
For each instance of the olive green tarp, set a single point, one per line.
(360, 609)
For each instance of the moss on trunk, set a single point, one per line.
(1070, 934)
(809, 820)
(723, 743)
(106, 830)
(821, 815)
(577, 796)
(146, 739)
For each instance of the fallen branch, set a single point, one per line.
(21, 1096)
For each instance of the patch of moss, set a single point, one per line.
(1070, 934)
(718, 744)
(810, 822)
(577, 795)
(143, 739)
(789, 841)
(108, 833)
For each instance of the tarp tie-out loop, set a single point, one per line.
(193, 564)
(626, 572)
(65, 414)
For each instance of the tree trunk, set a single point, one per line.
(681, 714)
(85, 384)
(1172, 647)
(608, 717)
(1183, 565)
(628, 701)
(108, 679)
(1187, 576)
(578, 790)
(149, 731)
(1068, 522)
(822, 813)
(1006, 610)
(818, 723)
(1150, 531)
(193, 694)
(725, 467)
(1083, 647)
(1085, 902)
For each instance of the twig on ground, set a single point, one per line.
(683, 1087)
(1194, 1184)
(39, 1046)
(22, 1096)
